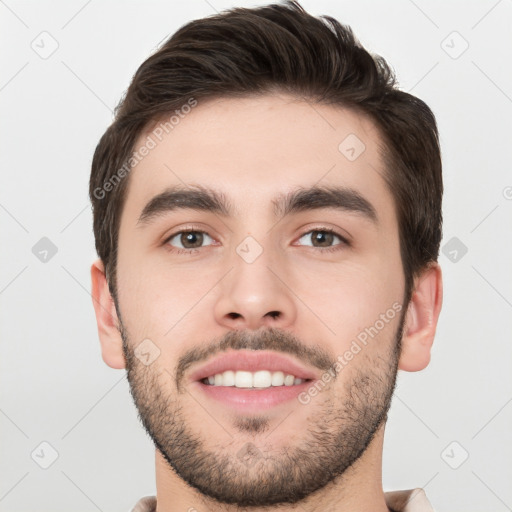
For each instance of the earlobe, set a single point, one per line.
(421, 319)
(106, 318)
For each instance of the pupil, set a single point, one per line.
(323, 235)
(193, 238)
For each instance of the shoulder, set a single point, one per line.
(146, 504)
(411, 500)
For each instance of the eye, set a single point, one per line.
(324, 237)
(190, 240)
(187, 240)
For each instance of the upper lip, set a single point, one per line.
(252, 361)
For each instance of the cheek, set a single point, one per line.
(155, 298)
(352, 296)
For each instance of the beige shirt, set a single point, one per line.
(413, 500)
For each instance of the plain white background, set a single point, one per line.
(56, 388)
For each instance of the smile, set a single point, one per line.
(252, 380)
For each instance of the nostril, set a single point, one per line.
(274, 314)
(234, 315)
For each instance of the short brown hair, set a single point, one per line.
(279, 47)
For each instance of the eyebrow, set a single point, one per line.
(200, 198)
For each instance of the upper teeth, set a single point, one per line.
(259, 379)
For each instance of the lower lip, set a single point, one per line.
(253, 399)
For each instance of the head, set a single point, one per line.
(265, 187)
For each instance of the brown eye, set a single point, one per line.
(323, 238)
(188, 239)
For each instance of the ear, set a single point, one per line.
(421, 319)
(106, 318)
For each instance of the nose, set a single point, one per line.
(255, 294)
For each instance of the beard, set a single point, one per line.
(336, 434)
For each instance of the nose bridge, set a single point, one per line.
(254, 293)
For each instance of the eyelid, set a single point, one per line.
(185, 229)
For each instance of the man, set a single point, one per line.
(267, 214)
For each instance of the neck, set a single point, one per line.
(359, 489)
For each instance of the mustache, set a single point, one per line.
(267, 339)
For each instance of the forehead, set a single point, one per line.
(255, 148)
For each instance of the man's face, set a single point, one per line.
(258, 292)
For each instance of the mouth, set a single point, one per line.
(251, 380)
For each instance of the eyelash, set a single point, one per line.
(177, 250)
